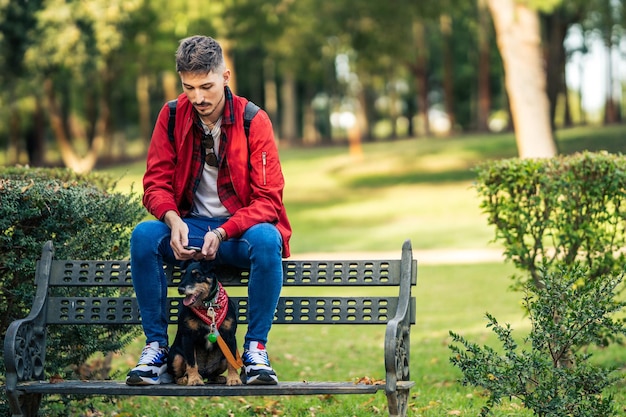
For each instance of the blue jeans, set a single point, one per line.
(259, 249)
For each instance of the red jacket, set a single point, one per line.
(250, 179)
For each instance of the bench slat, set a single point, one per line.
(290, 310)
(296, 273)
(283, 388)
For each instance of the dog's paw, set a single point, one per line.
(233, 381)
(195, 381)
(182, 380)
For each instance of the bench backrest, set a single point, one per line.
(100, 292)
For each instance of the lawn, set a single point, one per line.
(418, 189)
(342, 204)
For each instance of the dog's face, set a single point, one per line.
(197, 283)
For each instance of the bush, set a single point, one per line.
(86, 220)
(561, 221)
(549, 375)
(556, 211)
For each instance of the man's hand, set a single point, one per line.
(179, 237)
(212, 240)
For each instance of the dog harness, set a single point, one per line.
(214, 315)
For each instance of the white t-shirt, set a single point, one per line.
(206, 201)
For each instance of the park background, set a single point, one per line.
(381, 111)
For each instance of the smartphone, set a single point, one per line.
(196, 248)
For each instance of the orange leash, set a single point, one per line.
(234, 362)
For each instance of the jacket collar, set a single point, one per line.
(228, 117)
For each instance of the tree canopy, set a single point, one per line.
(87, 77)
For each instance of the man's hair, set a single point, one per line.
(199, 54)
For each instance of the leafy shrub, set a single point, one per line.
(85, 220)
(549, 373)
(555, 211)
(561, 221)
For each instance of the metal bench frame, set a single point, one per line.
(25, 341)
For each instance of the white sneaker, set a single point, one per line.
(152, 367)
(257, 368)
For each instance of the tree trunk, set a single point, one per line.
(556, 26)
(35, 137)
(448, 69)
(369, 98)
(310, 135)
(421, 77)
(171, 85)
(143, 104)
(104, 126)
(229, 60)
(518, 36)
(15, 127)
(567, 116)
(611, 112)
(484, 53)
(270, 90)
(70, 158)
(288, 121)
(362, 115)
(394, 114)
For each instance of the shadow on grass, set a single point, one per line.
(602, 141)
(592, 138)
(373, 181)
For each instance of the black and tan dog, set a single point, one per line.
(196, 353)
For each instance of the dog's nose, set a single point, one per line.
(181, 290)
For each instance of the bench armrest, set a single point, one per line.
(25, 340)
(397, 340)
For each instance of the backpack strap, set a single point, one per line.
(248, 114)
(172, 120)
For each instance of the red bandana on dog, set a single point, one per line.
(220, 306)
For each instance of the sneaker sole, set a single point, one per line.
(261, 379)
(139, 380)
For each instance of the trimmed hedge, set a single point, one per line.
(563, 210)
(86, 220)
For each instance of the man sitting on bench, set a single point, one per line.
(216, 190)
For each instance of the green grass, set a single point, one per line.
(419, 189)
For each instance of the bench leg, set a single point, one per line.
(24, 405)
(398, 403)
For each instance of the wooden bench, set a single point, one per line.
(25, 341)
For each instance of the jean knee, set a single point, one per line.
(264, 236)
(145, 235)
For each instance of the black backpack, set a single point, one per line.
(248, 114)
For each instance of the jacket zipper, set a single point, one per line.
(264, 157)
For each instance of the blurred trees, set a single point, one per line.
(86, 79)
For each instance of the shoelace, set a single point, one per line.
(258, 357)
(148, 355)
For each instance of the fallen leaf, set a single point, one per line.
(56, 378)
(27, 187)
(370, 381)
